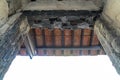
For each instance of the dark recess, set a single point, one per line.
(33, 0)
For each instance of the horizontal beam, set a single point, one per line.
(81, 48)
(82, 26)
(62, 51)
(59, 13)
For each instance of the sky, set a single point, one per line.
(62, 68)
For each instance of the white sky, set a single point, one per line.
(62, 68)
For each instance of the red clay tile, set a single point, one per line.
(67, 37)
(58, 37)
(95, 41)
(48, 37)
(86, 41)
(39, 40)
(87, 32)
(67, 41)
(38, 31)
(77, 38)
(67, 32)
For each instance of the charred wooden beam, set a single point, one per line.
(59, 13)
(49, 18)
(81, 48)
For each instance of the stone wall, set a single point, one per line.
(9, 43)
(108, 31)
(16, 5)
(10, 38)
(3, 12)
(109, 39)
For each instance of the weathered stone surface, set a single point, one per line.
(3, 12)
(108, 31)
(14, 5)
(9, 43)
(62, 5)
(110, 41)
(25, 2)
(112, 10)
(96, 2)
(116, 44)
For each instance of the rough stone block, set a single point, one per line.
(3, 12)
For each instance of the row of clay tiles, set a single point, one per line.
(47, 38)
(65, 38)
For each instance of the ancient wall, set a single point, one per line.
(108, 31)
(16, 5)
(9, 43)
(3, 12)
(10, 39)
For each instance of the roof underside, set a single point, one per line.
(65, 42)
(63, 27)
